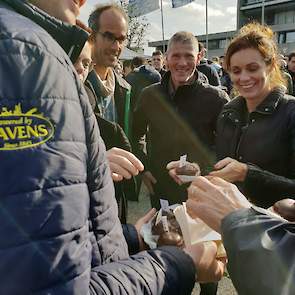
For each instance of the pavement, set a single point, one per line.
(138, 209)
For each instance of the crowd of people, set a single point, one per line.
(79, 132)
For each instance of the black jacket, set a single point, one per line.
(265, 140)
(183, 124)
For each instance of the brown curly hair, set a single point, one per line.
(260, 38)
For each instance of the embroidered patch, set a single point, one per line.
(20, 130)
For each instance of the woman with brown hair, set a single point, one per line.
(256, 130)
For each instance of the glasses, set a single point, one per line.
(111, 38)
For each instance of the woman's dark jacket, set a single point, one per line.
(265, 140)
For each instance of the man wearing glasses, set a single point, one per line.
(110, 25)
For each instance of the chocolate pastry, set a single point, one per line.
(173, 236)
(158, 229)
(170, 239)
(190, 169)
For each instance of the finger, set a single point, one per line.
(115, 168)
(195, 193)
(219, 181)
(133, 159)
(222, 163)
(222, 173)
(202, 183)
(146, 218)
(172, 165)
(129, 156)
(173, 174)
(124, 163)
(116, 177)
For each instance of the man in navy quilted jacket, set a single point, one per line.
(59, 231)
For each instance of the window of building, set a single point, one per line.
(290, 37)
(281, 37)
(213, 44)
(286, 17)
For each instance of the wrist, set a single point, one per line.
(244, 172)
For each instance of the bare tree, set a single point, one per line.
(138, 27)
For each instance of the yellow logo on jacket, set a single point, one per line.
(20, 130)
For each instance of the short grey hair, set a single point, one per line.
(184, 38)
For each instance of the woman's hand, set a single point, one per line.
(230, 170)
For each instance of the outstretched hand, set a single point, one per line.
(212, 198)
(123, 164)
(230, 170)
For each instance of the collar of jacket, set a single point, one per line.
(70, 38)
(167, 76)
(122, 82)
(267, 107)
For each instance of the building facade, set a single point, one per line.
(279, 14)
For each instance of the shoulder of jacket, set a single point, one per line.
(151, 90)
(20, 29)
(214, 92)
(122, 82)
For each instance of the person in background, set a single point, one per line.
(291, 69)
(126, 67)
(109, 24)
(259, 245)
(215, 64)
(208, 70)
(225, 79)
(64, 234)
(286, 75)
(142, 75)
(158, 62)
(174, 114)
(124, 165)
(256, 131)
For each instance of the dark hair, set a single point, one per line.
(157, 52)
(291, 55)
(93, 20)
(260, 38)
(127, 63)
(137, 62)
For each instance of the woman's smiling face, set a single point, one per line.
(250, 74)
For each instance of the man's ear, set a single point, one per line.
(198, 58)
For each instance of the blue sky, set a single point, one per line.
(191, 17)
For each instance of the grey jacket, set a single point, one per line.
(261, 252)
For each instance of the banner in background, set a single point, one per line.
(139, 7)
(179, 3)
